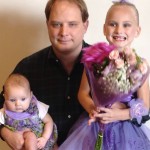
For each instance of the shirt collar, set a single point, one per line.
(51, 54)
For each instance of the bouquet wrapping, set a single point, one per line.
(113, 75)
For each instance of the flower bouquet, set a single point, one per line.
(113, 75)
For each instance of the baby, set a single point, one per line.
(23, 112)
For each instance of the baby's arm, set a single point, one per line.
(48, 129)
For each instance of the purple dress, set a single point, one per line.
(29, 119)
(108, 85)
(121, 135)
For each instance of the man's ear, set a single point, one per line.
(86, 24)
(46, 22)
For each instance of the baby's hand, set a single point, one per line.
(41, 142)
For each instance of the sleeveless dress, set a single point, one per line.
(119, 135)
(29, 119)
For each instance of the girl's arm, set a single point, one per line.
(117, 112)
(84, 94)
(144, 94)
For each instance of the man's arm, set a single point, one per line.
(1, 99)
(13, 139)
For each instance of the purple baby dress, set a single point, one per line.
(29, 119)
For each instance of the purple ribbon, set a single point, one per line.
(137, 109)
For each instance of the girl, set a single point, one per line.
(113, 73)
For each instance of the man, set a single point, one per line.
(55, 72)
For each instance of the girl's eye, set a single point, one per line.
(126, 25)
(112, 24)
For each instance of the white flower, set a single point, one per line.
(119, 63)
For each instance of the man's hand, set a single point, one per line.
(13, 139)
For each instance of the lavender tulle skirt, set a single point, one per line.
(121, 135)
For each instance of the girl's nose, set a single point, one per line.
(119, 29)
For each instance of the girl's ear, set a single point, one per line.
(104, 29)
(138, 31)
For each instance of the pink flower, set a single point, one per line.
(119, 63)
(114, 55)
(96, 53)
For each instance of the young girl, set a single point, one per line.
(23, 112)
(112, 74)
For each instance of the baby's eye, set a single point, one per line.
(12, 100)
(23, 99)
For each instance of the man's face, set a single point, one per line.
(66, 28)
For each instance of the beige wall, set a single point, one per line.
(23, 30)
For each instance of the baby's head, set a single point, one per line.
(122, 24)
(17, 93)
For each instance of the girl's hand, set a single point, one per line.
(92, 116)
(109, 115)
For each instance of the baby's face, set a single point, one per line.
(17, 98)
(121, 26)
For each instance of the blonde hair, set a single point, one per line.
(16, 80)
(124, 4)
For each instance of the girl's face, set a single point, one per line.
(121, 26)
(17, 98)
